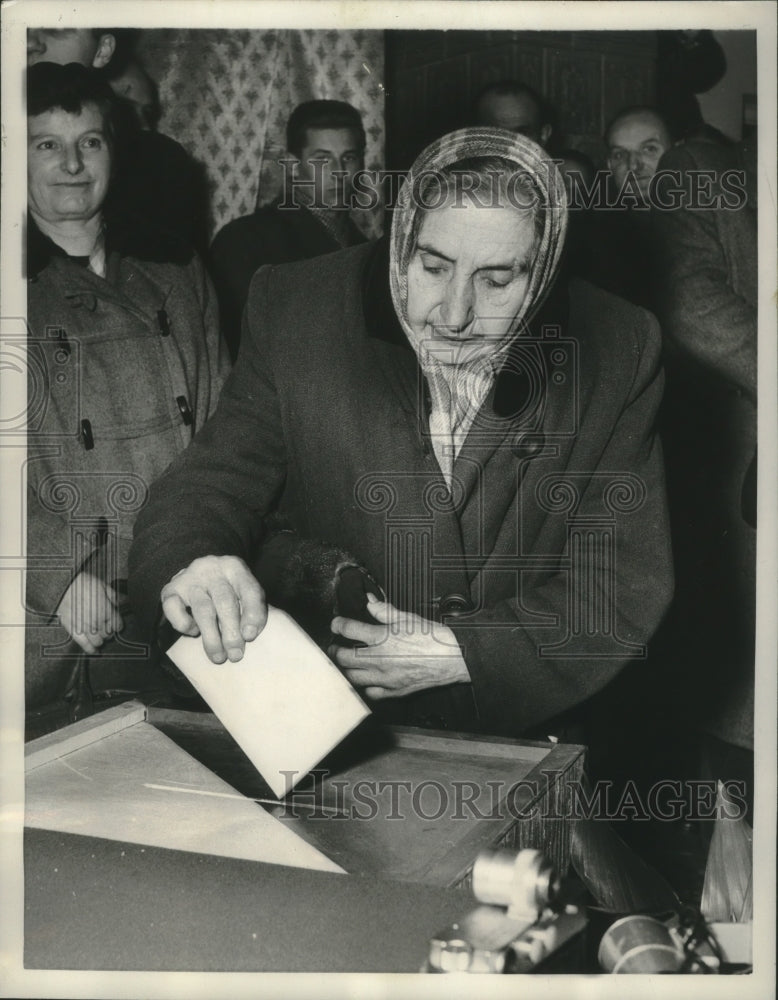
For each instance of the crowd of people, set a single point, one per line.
(440, 450)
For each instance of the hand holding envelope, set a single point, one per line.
(284, 702)
(219, 598)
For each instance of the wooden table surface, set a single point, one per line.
(92, 903)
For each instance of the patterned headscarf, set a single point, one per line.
(458, 390)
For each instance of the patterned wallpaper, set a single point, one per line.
(226, 96)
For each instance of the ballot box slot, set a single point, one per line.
(403, 803)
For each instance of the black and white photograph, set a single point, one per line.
(388, 539)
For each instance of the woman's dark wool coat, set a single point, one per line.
(555, 540)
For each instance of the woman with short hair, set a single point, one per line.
(126, 364)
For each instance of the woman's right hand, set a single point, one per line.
(218, 598)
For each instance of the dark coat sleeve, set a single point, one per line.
(212, 498)
(268, 236)
(704, 316)
(238, 250)
(518, 680)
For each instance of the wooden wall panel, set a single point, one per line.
(529, 65)
(447, 92)
(488, 66)
(574, 86)
(433, 76)
(622, 85)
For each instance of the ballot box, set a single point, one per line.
(394, 803)
(152, 842)
(409, 804)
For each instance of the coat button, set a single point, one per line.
(528, 445)
(454, 605)
(184, 410)
(87, 438)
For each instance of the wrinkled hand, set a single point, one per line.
(219, 598)
(404, 653)
(89, 612)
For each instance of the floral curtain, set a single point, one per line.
(226, 96)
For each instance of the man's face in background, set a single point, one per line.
(517, 113)
(636, 143)
(330, 158)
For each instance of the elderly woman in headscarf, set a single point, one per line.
(473, 433)
(126, 364)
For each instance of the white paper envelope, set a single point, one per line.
(285, 703)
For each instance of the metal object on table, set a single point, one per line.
(520, 925)
(641, 944)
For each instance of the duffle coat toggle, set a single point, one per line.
(164, 323)
(185, 411)
(86, 435)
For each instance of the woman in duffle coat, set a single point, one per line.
(126, 364)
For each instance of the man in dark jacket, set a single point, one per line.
(479, 438)
(327, 139)
(623, 255)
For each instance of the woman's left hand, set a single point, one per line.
(89, 612)
(403, 653)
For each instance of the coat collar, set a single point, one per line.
(381, 320)
(125, 236)
(514, 381)
(518, 399)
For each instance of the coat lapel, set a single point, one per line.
(513, 424)
(388, 342)
(517, 422)
(424, 486)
